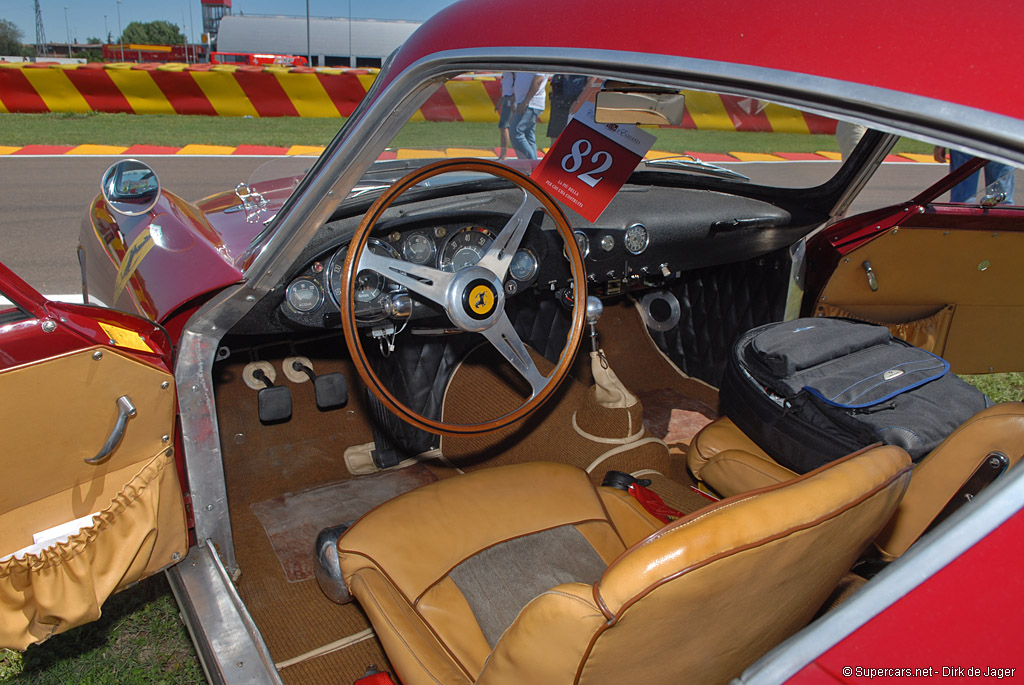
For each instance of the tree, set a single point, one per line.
(10, 39)
(153, 33)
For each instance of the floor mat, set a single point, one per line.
(673, 416)
(293, 520)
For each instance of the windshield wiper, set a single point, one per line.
(692, 164)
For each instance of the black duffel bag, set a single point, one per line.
(812, 390)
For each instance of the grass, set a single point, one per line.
(129, 129)
(1000, 387)
(139, 639)
(157, 129)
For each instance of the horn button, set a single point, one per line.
(475, 299)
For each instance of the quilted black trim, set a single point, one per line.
(419, 369)
(719, 303)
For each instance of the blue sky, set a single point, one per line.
(85, 18)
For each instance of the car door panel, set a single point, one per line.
(955, 292)
(125, 510)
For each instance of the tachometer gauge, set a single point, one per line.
(418, 247)
(464, 248)
(304, 295)
(369, 285)
(636, 239)
(523, 265)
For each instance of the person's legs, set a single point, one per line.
(524, 134)
(965, 190)
(506, 143)
(505, 116)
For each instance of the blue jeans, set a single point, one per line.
(999, 178)
(524, 139)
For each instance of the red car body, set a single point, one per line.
(939, 70)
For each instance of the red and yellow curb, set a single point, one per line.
(399, 153)
(273, 91)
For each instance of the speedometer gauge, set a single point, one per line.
(465, 248)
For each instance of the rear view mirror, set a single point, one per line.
(635, 106)
(130, 187)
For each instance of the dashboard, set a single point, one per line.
(314, 297)
(647, 237)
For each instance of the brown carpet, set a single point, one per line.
(639, 364)
(264, 462)
(293, 520)
(480, 387)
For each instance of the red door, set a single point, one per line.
(91, 501)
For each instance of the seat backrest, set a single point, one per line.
(937, 477)
(702, 598)
(730, 462)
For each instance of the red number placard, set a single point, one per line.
(590, 162)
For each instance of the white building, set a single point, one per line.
(333, 42)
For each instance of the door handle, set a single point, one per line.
(872, 279)
(125, 411)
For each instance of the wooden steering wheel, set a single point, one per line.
(473, 297)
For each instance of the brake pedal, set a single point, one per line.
(330, 389)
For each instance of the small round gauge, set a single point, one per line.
(464, 248)
(636, 239)
(369, 285)
(304, 295)
(523, 265)
(418, 248)
(582, 242)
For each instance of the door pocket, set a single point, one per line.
(928, 333)
(64, 585)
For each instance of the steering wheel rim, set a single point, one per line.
(484, 282)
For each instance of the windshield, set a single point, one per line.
(718, 141)
(718, 135)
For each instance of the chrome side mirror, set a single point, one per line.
(130, 187)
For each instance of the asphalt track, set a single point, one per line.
(43, 200)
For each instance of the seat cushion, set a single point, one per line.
(744, 574)
(701, 598)
(722, 456)
(458, 558)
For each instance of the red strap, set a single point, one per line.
(650, 501)
(375, 679)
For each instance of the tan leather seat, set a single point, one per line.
(530, 574)
(722, 456)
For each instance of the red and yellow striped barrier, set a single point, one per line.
(273, 91)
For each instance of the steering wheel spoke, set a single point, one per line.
(499, 255)
(423, 280)
(502, 335)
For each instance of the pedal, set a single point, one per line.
(274, 401)
(330, 389)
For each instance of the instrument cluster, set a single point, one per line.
(314, 297)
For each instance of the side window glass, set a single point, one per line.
(10, 312)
